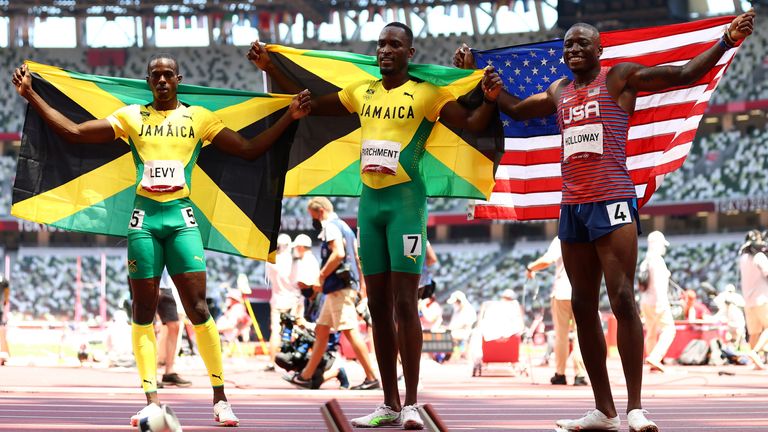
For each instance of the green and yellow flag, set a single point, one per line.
(90, 188)
(325, 157)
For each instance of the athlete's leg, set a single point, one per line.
(191, 288)
(385, 342)
(582, 265)
(146, 293)
(561, 318)
(406, 287)
(618, 258)
(145, 257)
(322, 333)
(361, 351)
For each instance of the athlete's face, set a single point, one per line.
(163, 79)
(393, 51)
(581, 49)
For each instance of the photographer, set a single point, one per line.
(753, 265)
(339, 281)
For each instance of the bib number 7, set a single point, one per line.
(412, 244)
(618, 213)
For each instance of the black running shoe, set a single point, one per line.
(367, 385)
(579, 381)
(175, 379)
(558, 379)
(296, 379)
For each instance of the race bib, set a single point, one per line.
(618, 213)
(582, 142)
(137, 219)
(163, 176)
(380, 156)
(412, 245)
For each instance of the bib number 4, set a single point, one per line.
(618, 213)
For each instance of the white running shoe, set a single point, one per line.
(592, 420)
(222, 413)
(383, 415)
(147, 411)
(639, 423)
(411, 418)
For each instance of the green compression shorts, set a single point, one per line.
(393, 228)
(163, 234)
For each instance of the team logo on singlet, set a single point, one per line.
(132, 267)
(576, 113)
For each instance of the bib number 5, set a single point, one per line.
(137, 219)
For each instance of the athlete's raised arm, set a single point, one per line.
(90, 132)
(325, 105)
(477, 119)
(233, 143)
(633, 77)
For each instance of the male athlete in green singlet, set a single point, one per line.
(165, 138)
(396, 114)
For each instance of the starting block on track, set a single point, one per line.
(432, 421)
(334, 417)
(336, 421)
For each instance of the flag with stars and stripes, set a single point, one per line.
(662, 129)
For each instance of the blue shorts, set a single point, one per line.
(581, 223)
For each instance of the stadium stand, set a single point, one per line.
(720, 165)
(44, 278)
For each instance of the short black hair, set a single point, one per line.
(590, 27)
(165, 56)
(408, 31)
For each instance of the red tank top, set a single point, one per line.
(593, 152)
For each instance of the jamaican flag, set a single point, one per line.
(325, 157)
(90, 188)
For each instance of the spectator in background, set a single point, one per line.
(235, 323)
(5, 298)
(654, 302)
(753, 266)
(118, 340)
(430, 261)
(463, 318)
(730, 310)
(693, 308)
(285, 296)
(339, 280)
(501, 319)
(305, 274)
(430, 311)
(167, 310)
(562, 315)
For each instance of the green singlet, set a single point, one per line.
(165, 145)
(392, 216)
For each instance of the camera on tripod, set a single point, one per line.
(296, 343)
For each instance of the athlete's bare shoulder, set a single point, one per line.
(557, 87)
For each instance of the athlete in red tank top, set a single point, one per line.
(599, 101)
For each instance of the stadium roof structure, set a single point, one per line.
(314, 10)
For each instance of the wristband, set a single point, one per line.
(727, 42)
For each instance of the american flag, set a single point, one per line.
(662, 129)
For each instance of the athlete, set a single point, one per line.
(598, 216)
(397, 114)
(165, 137)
